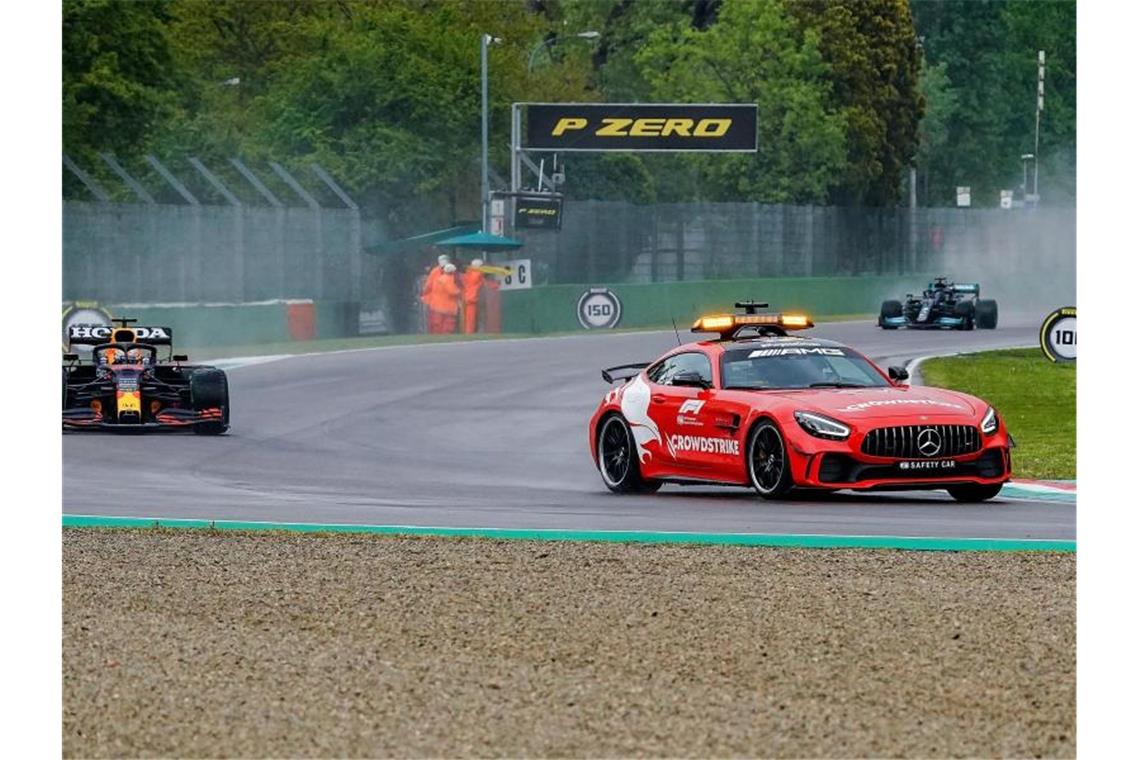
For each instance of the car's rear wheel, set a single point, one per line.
(888, 310)
(209, 389)
(986, 314)
(618, 459)
(974, 493)
(768, 467)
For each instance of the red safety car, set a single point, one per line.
(758, 407)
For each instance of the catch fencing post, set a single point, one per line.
(127, 179)
(310, 201)
(278, 218)
(354, 253)
(239, 225)
(187, 284)
(88, 181)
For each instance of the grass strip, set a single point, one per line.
(1036, 398)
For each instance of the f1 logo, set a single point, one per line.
(692, 406)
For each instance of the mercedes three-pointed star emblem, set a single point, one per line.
(929, 442)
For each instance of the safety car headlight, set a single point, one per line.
(990, 421)
(822, 427)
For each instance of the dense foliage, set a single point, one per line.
(385, 93)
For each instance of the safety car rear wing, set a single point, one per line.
(623, 371)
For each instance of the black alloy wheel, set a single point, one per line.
(618, 459)
(768, 461)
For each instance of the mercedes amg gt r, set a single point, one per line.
(758, 407)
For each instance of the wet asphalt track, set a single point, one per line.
(488, 434)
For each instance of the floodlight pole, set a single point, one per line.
(1037, 128)
(484, 41)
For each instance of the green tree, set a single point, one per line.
(117, 74)
(872, 56)
(1048, 26)
(988, 51)
(941, 108)
(385, 95)
(753, 53)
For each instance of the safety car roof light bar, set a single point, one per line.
(727, 325)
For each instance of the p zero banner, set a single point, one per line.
(640, 127)
(538, 212)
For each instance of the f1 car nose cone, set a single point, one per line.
(929, 442)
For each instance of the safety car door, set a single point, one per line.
(679, 410)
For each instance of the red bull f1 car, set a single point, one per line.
(758, 407)
(945, 305)
(125, 385)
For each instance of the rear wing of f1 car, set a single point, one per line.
(94, 335)
(967, 287)
(623, 371)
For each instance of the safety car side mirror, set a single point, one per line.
(690, 380)
(180, 357)
(71, 357)
(898, 374)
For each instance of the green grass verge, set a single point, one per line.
(206, 353)
(1036, 398)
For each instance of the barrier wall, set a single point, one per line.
(544, 309)
(202, 325)
(553, 308)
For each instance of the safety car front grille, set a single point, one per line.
(913, 442)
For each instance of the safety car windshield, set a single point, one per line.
(797, 367)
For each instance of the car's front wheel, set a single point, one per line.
(974, 493)
(768, 466)
(964, 310)
(618, 460)
(889, 310)
(209, 389)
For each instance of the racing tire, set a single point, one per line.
(965, 310)
(971, 493)
(210, 389)
(986, 314)
(889, 309)
(768, 468)
(617, 458)
(65, 388)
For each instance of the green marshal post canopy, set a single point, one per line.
(482, 241)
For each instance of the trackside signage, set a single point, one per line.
(538, 212)
(641, 127)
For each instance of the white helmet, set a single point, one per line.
(443, 259)
(476, 262)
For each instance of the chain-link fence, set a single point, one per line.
(202, 235)
(160, 252)
(119, 253)
(624, 242)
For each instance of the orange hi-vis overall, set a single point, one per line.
(472, 285)
(442, 301)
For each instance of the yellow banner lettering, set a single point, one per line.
(568, 123)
